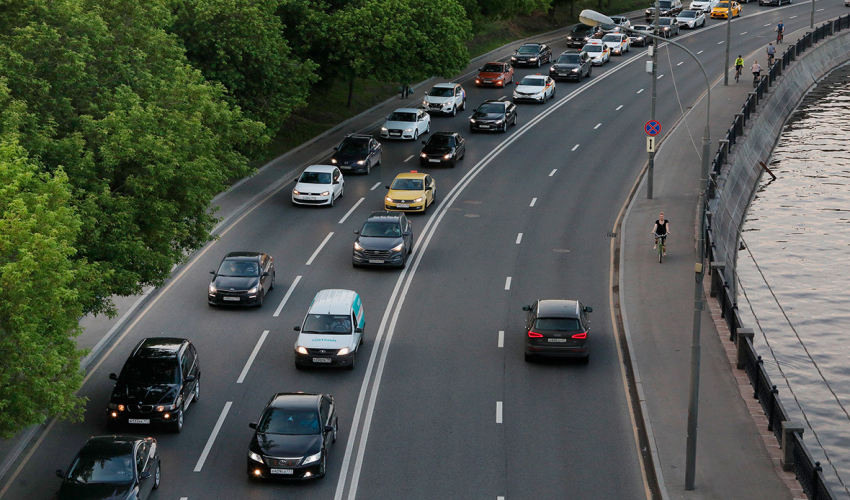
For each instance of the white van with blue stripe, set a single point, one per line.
(332, 331)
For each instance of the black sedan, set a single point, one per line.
(386, 239)
(580, 34)
(292, 437)
(532, 54)
(443, 148)
(159, 381)
(571, 65)
(493, 115)
(557, 328)
(357, 153)
(242, 279)
(112, 468)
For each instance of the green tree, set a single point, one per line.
(39, 281)
(506, 9)
(240, 44)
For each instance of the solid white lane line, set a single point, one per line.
(324, 242)
(574, 147)
(508, 283)
(818, 10)
(286, 297)
(681, 63)
(598, 125)
(518, 238)
(553, 172)
(376, 185)
(211, 440)
(533, 201)
(768, 24)
(660, 77)
(408, 158)
(498, 412)
(744, 33)
(639, 91)
(792, 17)
(720, 42)
(700, 52)
(503, 98)
(619, 107)
(352, 209)
(501, 338)
(252, 356)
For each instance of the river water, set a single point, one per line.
(794, 273)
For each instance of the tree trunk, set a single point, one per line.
(350, 91)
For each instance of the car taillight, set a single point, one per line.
(535, 335)
(582, 335)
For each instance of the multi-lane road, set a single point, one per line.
(441, 403)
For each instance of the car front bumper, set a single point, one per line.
(263, 471)
(352, 167)
(300, 199)
(396, 134)
(444, 108)
(526, 62)
(140, 420)
(383, 258)
(486, 126)
(333, 359)
(529, 98)
(405, 207)
(233, 299)
(435, 161)
(565, 76)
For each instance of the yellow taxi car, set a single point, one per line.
(411, 192)
(721, 10)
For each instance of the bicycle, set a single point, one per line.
(770, 58)
(661, 245)
(756, 79)
(738, 70)
(779, 37)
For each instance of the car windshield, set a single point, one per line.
(641, 27)
(239, 268)
(146, 371)
(665, 4)
(687, 13)
(441, 92)
(315, 178)
(529, 49)
(381, 230)
(90, 469)
(492, 68)
(491, 108)
(611, 38)
(569, 59)
(723, 5)
(593, 48)
(292, 422)
(665, 22)
(354, 147)
(581, 28)
(327, 324)
(558, 324)
(408, 184)
(607, 27)
(533, 81)
(441, 141)
(402, 117)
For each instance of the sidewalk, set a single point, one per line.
(735, 457)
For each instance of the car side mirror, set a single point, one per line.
(588, 309)
(60, 473)
(387, 187)
(408, 233)
(526, 308)
(265, 274)
(189, 378)
(253, 425)
(423, 142)
(329, 428)
(357, 232)
(336, 148)
(212, 272)
(358, 330)
(145, 475)
(113, 376)
(429, 188)
(297, 328)
(336, 181)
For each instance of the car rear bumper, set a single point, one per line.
(558, 352)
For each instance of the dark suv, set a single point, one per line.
(669, 8)
(571, 65)
(386, 239)
(357, 153)
(580, 34)
(493, 115)
(158, 382)
(557, 328)
(442, 148)
(293, 436)
(242, 279)
(532, 54)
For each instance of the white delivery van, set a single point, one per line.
(332, 331)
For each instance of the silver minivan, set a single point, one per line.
(332, 331)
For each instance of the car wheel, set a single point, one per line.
(336, 430)
(454, 110)
(368, 168)
(554, 91)
(353, 359)
(342, 191)
(538, 61)
(453, 163)
(416, 134)
(463, 105)
(528, 358)
(196, 395)
(157, 476)
(332, 200)
(505, 126)
(177, 426)
(428, 127)
(299, 366)
(404, 259)
(324, 466)
(262, 298)
(589, 71)
(271, 285)
(585, 360)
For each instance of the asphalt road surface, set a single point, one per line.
(441, 403)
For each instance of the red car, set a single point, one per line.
(497, 74)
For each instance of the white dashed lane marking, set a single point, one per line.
(681, 63)
(375, 186)
(498, 412)
(352, 209)
(700, 52)
(720, 42)
(599, 124)
(508, 283)
(639, 91)
(213, 435)
(252, 356)
(792, 17)
(503, 98)
(553, 172)
(574, 147)
(501, 338)
(744, 33)
(408, 158)
(619, 107)
(286, 297)
(660, 77)
(518, 238)
(322, 245)
(533, 201)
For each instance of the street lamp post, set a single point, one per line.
(651, 170)
(728, 42)
(593, 18)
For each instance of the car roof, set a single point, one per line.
(242, 256)
(109, 446)
(531, 43)
(595, 41)
(320, 168)
(450, 134)
(295, 400)
(333, 301)
(494, 101)
(411, 175)
(159, 347)
(446, 85)
(407, 110)
(500, 63)
(571, 51)
(383, 214)
(558, 308)
(358, 136)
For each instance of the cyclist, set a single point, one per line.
(739, 66)
(780, 30)
(661, 229)
(771, 51)
(756, 69)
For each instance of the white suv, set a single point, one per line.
(445, 98)
(704, 5)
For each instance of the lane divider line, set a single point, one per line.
(352, 209)
(619, 107)
(700, 52)
(552, 173)
(408, 158)
(322, 245)
(252, 356)
(518, 238)
(501, 338)
(533, 201)
(503, 98)
(681, 63)
(639, 91)
(574, 147)
(498, 412)
(211, 440)
(744, 33)
(286, 297)
(599, 124)
(766, 25)
(792, 17)
(508, 283)
(376, 185)
(720, 42)
(660, 77)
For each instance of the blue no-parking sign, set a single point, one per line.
(652, 127)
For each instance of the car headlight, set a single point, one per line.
(295, 191)
(586, 38)
(333, 160)
(513, 58)
(648, 12)
(213, 289)
(409, 129)
(423, 155)
(575, 70)
(532, 58)
(400, 246)
(447, 156)
(499, 121)
(383, 129)
(301, 350)
(358, 247)
(312, 459)
(326, 193)
(389, 199)
(343, 351)
(253, 290)
(472, 120)
(255, 457)
(425, 103)
(361, 162)
(418, 200)
(116, 407)
(569, 38)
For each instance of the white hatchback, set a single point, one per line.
(406, 123)
(318, 185)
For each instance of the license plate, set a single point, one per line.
(484, 126)
(321, 360)
(402, 205)
(234, 299)
(395, 133)
(285, 472)
(139, 421)
(557, 340)
(563, 74)
(376, 261)
(434, 161)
